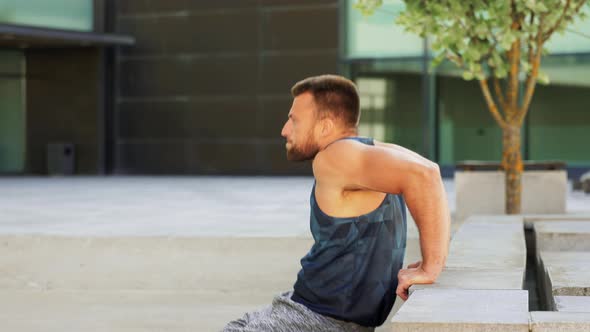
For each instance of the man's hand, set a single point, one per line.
(414, 274)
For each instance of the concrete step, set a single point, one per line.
(562, 236)
(488, 245)
(144, 263)
(572, 303)
(563, 274)
(550, 321)
(124, 310)
(465, 278)
(457, 310)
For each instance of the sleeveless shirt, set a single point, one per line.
(350, 272)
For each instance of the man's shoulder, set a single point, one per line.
(338, 156)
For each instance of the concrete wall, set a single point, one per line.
(206, 87)
(483, 192)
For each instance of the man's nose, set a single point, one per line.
(284, 131)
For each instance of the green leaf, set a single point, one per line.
(467, 75)
(542, 78)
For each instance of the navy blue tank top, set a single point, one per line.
(350, 273)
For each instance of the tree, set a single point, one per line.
(498, 43)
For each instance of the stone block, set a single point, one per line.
(478, 192)
(488, 245)
(550, 321)
(530, 219)
(585, 181)
(563, 273)
(572, 281)
(562, 236)
(456, 310)
(476, 279)
(572, 303)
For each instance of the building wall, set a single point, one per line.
(63, 105)
(205, 90)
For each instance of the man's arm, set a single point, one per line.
(393, 169)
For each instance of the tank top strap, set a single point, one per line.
(365, 140)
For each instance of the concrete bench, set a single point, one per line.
(488, 245)
(572, 303)
(562, 236)
(465, 278)
(140, 283)
(456, 310)
(477, 192)
(563, 273)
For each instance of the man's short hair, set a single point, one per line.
(335, 96)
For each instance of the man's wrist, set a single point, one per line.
(432, 270)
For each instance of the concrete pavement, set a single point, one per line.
(171, 252)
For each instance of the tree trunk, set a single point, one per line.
(513, 166)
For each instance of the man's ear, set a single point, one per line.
(327, 126)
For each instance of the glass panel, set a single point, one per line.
(573, 40)
(391, 105)
(12, 115)
(467, 130)
(377, 35)
(559, 122)
(57, 14)
(568, 69)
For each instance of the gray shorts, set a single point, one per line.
(285, 315)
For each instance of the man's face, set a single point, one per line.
(300, 128)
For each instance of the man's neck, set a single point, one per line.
(336, 137)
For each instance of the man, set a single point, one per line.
(351, 275)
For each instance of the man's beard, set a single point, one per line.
(306, 151)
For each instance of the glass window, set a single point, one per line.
(391, 105)
(467, 130)
(378, 36)
(575, 39)
(12, 114)
(559, 124)
(57, 14)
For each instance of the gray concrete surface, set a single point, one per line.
(563, 273)
(562, 236)
(464, 310)
(483, 192)
(572, 303)
(547, 321)
(155, 253)
(459, 278)
(490, 245)
(229, 243)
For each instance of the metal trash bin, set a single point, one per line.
(60, 158)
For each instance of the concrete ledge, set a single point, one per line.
(44, 262)
(463, 310)
(477, 192)
(488, 245)
(531, 219)
(569, 281)
(563, 273)
(548, 321)
(562, 236)
(124, 310)
(476, 279)
(572, 303)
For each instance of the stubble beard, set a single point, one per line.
(306, 151)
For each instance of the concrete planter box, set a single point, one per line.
(480, 189)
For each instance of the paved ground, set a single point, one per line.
(112, 247)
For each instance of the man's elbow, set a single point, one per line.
(431, 172)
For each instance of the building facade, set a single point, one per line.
(202, 87)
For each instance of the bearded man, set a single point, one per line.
(350, 277)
